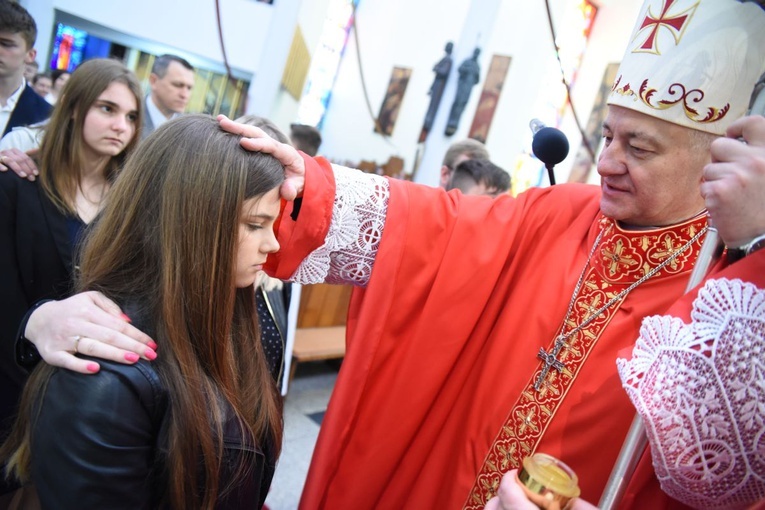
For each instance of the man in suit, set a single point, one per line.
(19, 104)
(171, 81)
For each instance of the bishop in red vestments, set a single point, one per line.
(697, 373)
(448, 380)
(487, 330)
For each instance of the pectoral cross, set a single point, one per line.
(551, 361)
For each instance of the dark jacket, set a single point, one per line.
(36, 260)
(100, 441)
(30, 108)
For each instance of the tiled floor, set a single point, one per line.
(303, 409)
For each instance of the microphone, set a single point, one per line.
(549, 145)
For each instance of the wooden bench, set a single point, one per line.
(317, 344)
(320, 332)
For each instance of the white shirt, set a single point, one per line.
(23, 138)
(157, 117)
(7, 109)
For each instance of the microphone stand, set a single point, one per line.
(636, 440)
(550, 173)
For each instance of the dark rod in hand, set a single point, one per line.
(550, 174)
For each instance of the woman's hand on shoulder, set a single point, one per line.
(19, 162)
(255, 139)
(87, 323)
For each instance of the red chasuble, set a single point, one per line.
(436, 394)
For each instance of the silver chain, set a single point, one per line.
(562, 338)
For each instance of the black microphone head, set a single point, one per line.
(550, 145)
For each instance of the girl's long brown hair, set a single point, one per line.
(167, 240)
(61, 155)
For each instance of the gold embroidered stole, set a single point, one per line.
(621, 259)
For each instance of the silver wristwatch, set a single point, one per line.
(752, 246)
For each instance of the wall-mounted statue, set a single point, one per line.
(442, 70)
(469, 75)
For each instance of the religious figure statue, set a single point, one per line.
(442, 70)
(469, 74)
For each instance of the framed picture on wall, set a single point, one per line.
(487, 104)
(394, 96)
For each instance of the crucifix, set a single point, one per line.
(551, 361)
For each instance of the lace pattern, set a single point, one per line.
(358, 217)
(700, 389)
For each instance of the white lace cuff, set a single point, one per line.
(358, 217)
(700, 389)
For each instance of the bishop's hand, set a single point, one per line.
(255, 139)
(734, 183)
(512, 496)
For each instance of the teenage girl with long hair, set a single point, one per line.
(93, 128)
(183, 237)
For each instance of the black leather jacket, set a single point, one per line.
(99, 442)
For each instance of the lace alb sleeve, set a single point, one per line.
(700, 389)
(358, 216)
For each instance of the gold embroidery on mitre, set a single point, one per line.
(635, 255)
(676, 94)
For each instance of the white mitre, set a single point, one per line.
(693, 62)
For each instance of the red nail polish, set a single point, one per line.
(152, 344)
(150, 355)
(92, 367)
(125, 318)
(131, 357)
